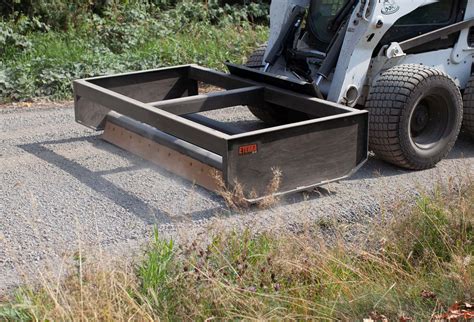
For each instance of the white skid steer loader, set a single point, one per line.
(406, 61)
(335, 77)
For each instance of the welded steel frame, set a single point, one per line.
(143, 96)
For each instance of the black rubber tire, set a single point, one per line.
(271, 114)
(415, 115)
(468, 98)
(256, 58)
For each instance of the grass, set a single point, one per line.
(43, 63)
(412, 267)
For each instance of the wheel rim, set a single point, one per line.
(430, 120)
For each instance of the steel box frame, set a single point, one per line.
(165, 98)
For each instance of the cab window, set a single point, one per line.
(434, 13)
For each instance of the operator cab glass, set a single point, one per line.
(434, 13)
(322, 12)
(424, 19)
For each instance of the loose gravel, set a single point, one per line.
(62, 189)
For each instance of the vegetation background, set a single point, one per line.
(46, 44)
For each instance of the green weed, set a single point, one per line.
(412, 267)
(13, 313)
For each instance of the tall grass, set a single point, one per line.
(56, 59)
(412, 267)
(37, 60)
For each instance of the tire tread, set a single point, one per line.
(255, 60)
(386, 104)
(468, 98)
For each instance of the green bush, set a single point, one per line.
(54, 60)
(64, 14)
(10, 38)
(41, 60)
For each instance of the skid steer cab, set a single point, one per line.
(334, 77)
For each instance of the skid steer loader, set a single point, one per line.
(335, 77)
(405, 61)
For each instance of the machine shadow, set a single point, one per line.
(463, 149)
(375, 168)
(97, 181)
(151, 215)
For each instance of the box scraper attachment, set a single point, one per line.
(154, 115)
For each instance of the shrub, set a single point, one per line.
(38, 60)
(63, 14)
(10, 38)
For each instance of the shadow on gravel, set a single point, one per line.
(464, 148)
(96, 180)
(375, 168)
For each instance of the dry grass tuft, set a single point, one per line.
(89, 292)
(270, 198)
(236, 198)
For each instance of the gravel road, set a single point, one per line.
(61, 188)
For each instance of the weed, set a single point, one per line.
(154, 271)
(420, 266)
(272, 189)
(13, 313)
(235, 197)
